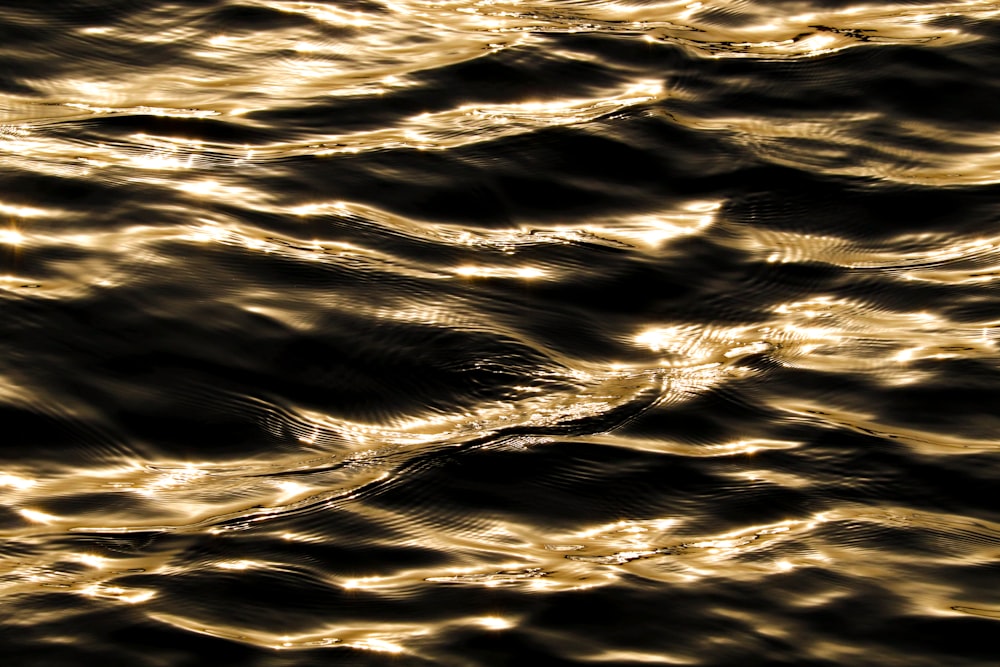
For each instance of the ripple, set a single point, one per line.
(465, 332)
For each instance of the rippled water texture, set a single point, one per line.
(397, 332)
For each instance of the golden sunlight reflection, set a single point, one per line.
(625, 527)
(118, 593)
(763, 475)
(763, 34)
(692, 345)
(385, 637)
(667, 445)
(662, 550)
(38, 517)
(524, 272)
(464, 125)
(610, 657)
(162, 478)
(210, 187)
(242, 564)
(370, 583)
(144, 110)
(92, 560)
(642, 232)
(866, 423)
(11, 237)
(909, 256)
(845, 335)
(378, 645)
(493, 623)
(291, 490)
(330, 14)
(25, 211)
(300, 537)
(596, 391)
(651, 231)
(784, 565)
(828, 333)
(16, 481)
(626, 377)
(920, 154)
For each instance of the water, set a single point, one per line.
(404, 332)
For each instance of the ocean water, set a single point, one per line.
(480, 332)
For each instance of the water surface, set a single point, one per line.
(473, 332)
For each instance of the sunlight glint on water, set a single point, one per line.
(451, 332)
